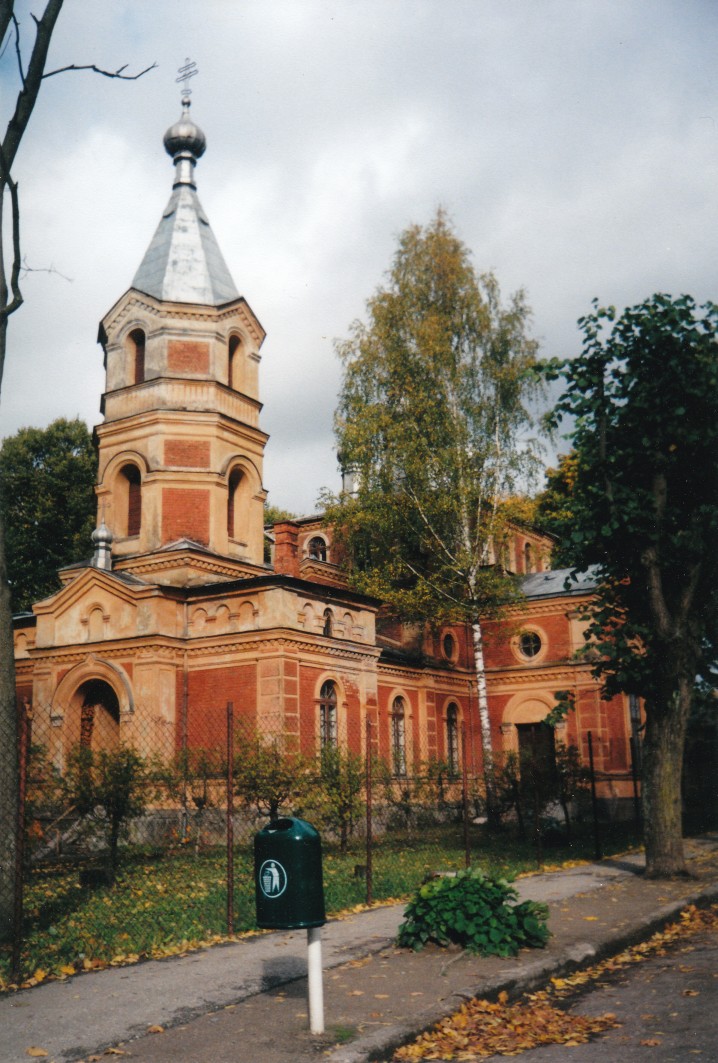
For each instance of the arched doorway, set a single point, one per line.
(99, 715)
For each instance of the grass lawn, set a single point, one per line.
(166, 903)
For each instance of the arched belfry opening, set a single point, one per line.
(129, 500)
(235, 491)
(136, 343)
(234, 368)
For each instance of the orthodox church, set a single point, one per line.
(182, 609)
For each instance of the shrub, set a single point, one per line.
(475, 910)
(111, 785)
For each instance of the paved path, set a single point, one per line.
(228, 1002)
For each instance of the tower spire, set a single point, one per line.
(183, 263)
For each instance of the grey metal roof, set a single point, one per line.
(557, 582)
(183, 263)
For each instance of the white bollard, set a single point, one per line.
(315, 980)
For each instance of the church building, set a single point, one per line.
(182, 610)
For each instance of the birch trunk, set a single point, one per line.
(485, 724)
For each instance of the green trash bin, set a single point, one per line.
(288, 875)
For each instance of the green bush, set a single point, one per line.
(474, 910)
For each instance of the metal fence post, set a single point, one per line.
(23, 753)
(594, 801)
(634, 776)
(230, 817)
(465, 797)
(369, 798)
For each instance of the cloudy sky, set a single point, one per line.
(573, 142)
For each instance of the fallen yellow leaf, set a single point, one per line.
(37, 1053)
(155, 1029)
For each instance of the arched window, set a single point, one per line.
(129, 500)
(528, 558)
(328, 714)
(327, 630)
(137, 352)
(235, 478)
(317, 548)
(398, 737)
(452, 739)
(234, 374)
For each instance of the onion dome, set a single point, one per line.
(185, 137)
(102, 543)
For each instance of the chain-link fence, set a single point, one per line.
(145, 846)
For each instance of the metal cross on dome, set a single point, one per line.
(185, 73)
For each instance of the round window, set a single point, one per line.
(449, 646)
(529, 644)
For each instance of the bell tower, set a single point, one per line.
(180, 448)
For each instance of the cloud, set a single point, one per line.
(574, 145)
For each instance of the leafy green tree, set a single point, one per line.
(573, 780)
(433, 420)
(554, 509)
(643, 398)
(190, 777)
(268, 778)
(47, 481)
(337, 797)
(110, 785)
(273, 514)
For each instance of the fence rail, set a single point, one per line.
(146, 849)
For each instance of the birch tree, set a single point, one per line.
(433, 421)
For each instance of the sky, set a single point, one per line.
(574, 144)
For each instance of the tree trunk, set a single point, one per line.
(492, 810)
(662, 772)
(9, 770)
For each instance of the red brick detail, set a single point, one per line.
(208, 692)
(187, 356)
(185, 514)
(286, 550)
(187, 453)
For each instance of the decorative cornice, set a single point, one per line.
(59, 655)
(559, 677)
(261, 644)
(134, 300)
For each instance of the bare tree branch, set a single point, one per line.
(44, 269)
(18, 53)
(13, 299)
(119, 73)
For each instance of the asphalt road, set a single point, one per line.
(667, 1007)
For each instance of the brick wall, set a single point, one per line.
(185, 514)
(187, 356)
(208, 692)
(187, 453)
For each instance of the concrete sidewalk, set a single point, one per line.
(245, 1002)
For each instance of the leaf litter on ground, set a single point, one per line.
(482, 1028)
